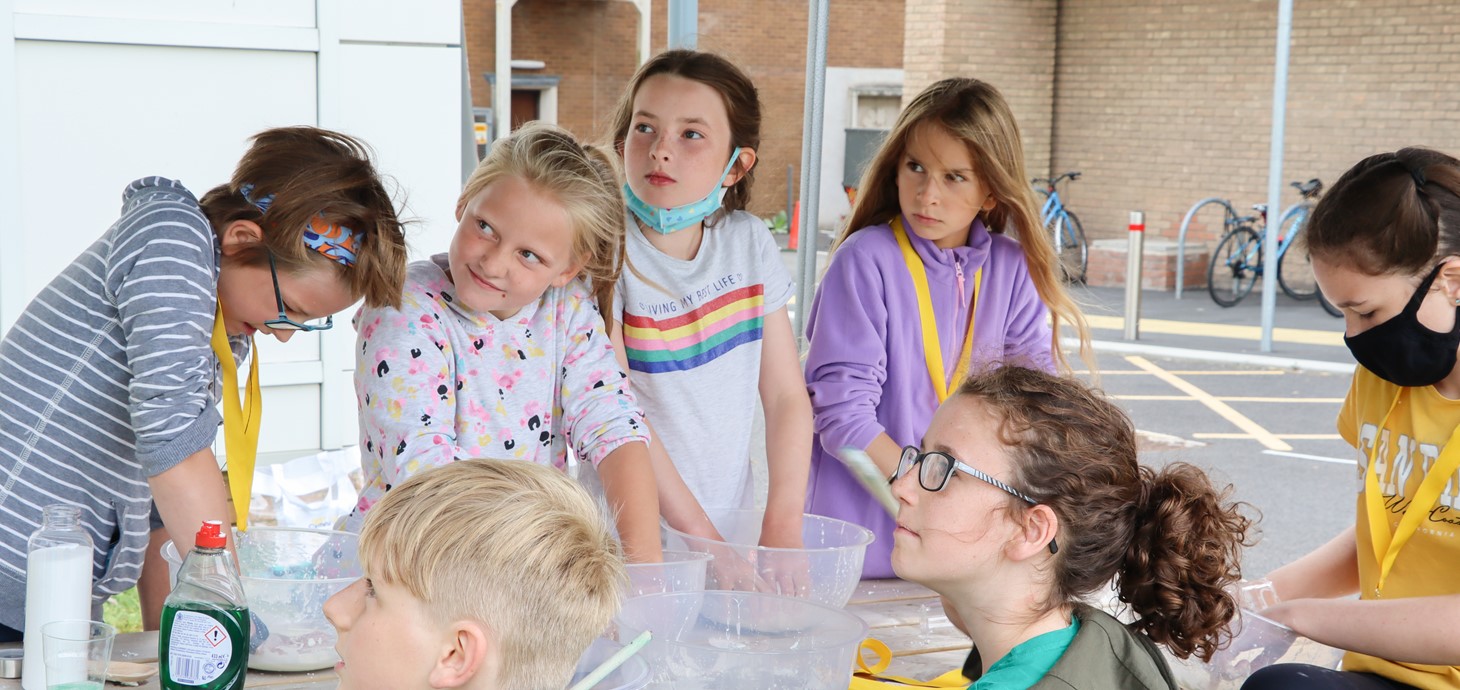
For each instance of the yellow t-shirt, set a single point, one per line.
(1422, 423)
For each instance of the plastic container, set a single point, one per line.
(1257, 642)
(57, 583)
(288, 574)
(681, 571)
(737, 640)
(204, 640)
(632, 675)
(826, 570)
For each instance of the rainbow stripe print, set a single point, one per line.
(686, 341)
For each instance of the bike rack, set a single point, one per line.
(1181, 237)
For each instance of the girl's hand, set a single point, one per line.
(729, 569)
(786, 572)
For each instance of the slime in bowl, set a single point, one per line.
(287, 576)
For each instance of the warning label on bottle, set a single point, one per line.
(198, 649)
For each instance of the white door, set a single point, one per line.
(96, 93)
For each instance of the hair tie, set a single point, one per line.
(336, 242)
(1419, 177)
(262, 203)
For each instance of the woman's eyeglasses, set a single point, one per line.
(937, 467)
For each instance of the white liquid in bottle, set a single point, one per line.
(57, 587)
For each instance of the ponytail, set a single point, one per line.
(1184, 553)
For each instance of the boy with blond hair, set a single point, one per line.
(481, 574)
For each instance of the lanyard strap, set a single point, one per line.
(1387, 545)
(240, 421)
(932, 345)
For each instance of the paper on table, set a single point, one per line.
(870, 477)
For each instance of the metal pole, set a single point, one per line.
(1133, 262)
(502, 88)
(684, 23)
(1275, 172)
(816, 30)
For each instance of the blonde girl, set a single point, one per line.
(499, 350)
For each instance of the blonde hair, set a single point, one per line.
(316, 172)
(975, 112)
(585, 182)
(517, 546)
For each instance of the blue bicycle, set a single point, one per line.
(1066, 232)
(1237, 262)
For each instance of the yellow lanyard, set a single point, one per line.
(1386, 545)
(932, 345)
(240, 421)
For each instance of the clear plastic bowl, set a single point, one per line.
(632, 675)
(287, 575)
(719, 640)
(1257, 642)
(681, 571)
(826, 570)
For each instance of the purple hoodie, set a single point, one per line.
(865, 369)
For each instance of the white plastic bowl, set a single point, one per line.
(738, 640)
(287, 576)
(1257, 642)
(681, 571)
(826, 569)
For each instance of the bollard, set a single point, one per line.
(1133, 275)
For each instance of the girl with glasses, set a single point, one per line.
(1025, 498)
(111, 378)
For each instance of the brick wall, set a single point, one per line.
(1164, 102)
(1008, 43)
(591, 45)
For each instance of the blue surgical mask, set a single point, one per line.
(668, 220)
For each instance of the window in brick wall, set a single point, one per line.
(875, 109)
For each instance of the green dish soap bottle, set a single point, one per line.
(203, 644)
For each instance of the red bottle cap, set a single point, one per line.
(210, 535)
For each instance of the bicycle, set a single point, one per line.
(1070, 247)
(1237, 262)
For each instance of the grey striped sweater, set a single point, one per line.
(107, 378)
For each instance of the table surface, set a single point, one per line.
(894, 611)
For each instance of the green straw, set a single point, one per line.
(613, 662)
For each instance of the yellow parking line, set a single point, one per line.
(1289, 437)
(1297, 336)
(1237, 419)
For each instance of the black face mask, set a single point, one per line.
(1403, 351)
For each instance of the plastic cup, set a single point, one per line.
(76, 654)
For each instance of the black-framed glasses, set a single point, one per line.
(284, 323)
(937, 467)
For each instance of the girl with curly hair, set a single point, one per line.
(1025, 497)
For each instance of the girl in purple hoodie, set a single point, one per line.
(924, 284)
